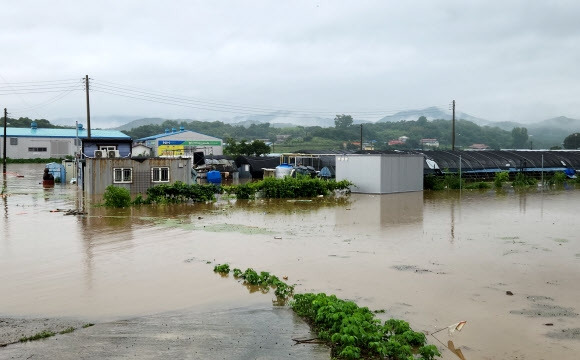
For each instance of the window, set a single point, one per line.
(37, 149)
(107, 148)
(160, 174)
(13, 141)
(122, 175)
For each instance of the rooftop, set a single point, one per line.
(64, 133)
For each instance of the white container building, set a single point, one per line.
(381, 173)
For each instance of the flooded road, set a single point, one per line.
(432, 259)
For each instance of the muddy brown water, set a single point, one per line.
(432, 259)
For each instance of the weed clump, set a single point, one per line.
(41, 335)
(354, 332)
(117, 197)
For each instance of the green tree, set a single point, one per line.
(519, 137)
(572, 141)
(342, 121)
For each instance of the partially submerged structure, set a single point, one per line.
(135, 174)
(381, 173)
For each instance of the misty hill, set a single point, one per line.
(433, 113)
(283, 119)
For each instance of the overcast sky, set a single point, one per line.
(500, 60)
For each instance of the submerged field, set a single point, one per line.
(431, 258)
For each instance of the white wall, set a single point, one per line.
(381, 173)
(55, 147)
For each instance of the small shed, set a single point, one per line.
(137, 175)
(381, 173)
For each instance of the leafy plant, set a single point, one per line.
(88, 325)
(522, 180)
(354, 332)
(222, 269)
(117, 197)
(500, 178)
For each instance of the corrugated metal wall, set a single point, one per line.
(99, 173)
(381, 173)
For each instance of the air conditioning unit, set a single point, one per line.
(99, 154)
(114, 154)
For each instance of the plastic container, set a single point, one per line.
(283, 170)
(214, 177)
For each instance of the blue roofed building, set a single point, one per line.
(44, 143)
(174, 143)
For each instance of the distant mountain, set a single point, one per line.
(433, 113)
(284, 119)
(101, 122)
(141, 122)
(561, 122)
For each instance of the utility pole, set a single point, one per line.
(452, 127)
(361, 147)
(88, 108)
(4, 143)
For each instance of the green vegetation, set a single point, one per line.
(500, 178)
(351, 331)
(179, 192)
(480, 185)
(522, 180)
(557, 179)
(572, 141)
(222, 269)
(264, 279)
(333, 138)
(288, 188)
(255, 148)
(117, 197)
(41, 335)
(88, 325)
(67, 330)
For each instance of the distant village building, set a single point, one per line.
(282, 138)
(182, 143)
(429, 143)
(140, 150)
(44, 143)
(401, 141)
(478, 147)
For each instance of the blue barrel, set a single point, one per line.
(214, 177)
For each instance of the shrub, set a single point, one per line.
(500, 178)
(522, 180)
(117, 197)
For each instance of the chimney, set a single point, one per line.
(173, 130)
(167, 131)
(182, 128)
(33, 125)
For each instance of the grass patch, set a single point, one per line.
(68, 330)
(88, 325)
(41, 335)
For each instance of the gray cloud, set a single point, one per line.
(509, 60)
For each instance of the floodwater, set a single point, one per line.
(432, 259)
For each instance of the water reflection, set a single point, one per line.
(383, 210)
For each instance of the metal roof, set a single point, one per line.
(64, 133)
(154, 137)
